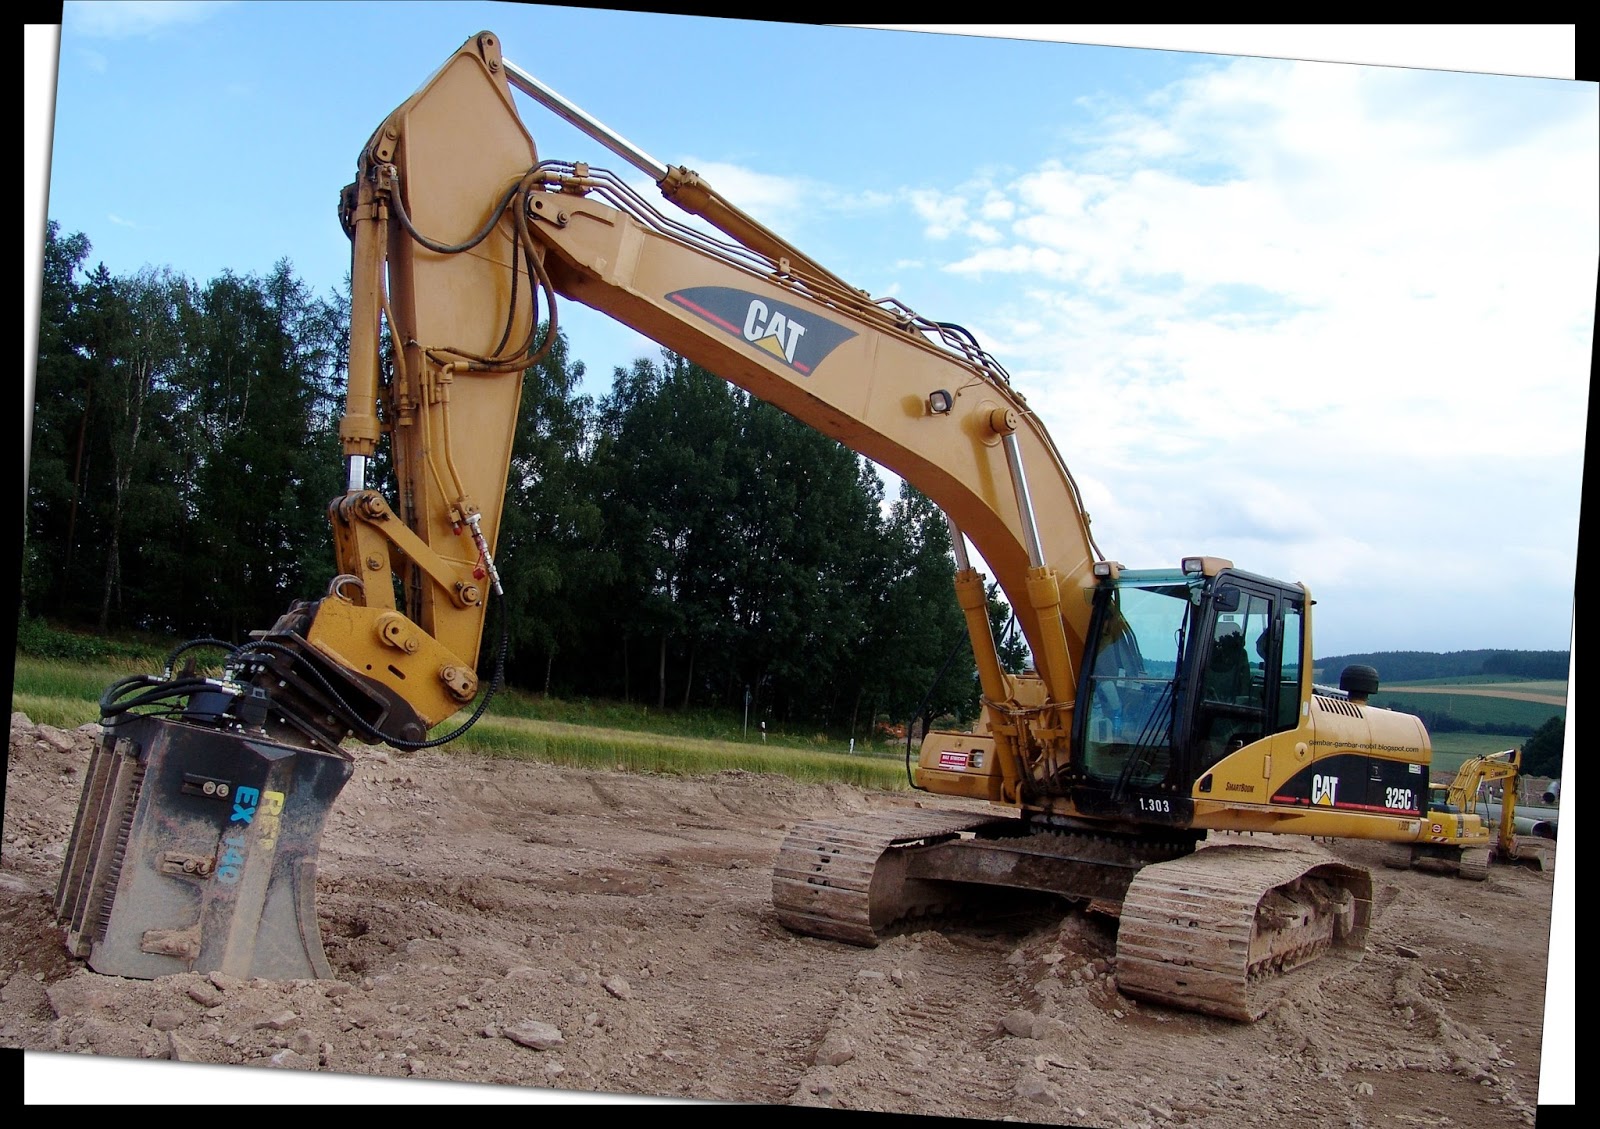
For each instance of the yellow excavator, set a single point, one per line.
(1473, 820)
(1166, 707)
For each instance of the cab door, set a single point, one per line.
(1247, 683)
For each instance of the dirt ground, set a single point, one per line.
(585, 933)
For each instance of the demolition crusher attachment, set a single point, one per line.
(196, 849)
(195, 844)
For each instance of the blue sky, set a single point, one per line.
(1330, 319)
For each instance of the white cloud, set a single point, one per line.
(1315, 318)
(122, 19)
(942, 213)
(788, 206)
(757, 193)
(1329, 230)
(997, 207)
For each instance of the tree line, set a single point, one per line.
(1542, 745)
(1420, 666)
(674, 541)
(183, 450)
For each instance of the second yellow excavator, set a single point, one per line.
(1167, 705)
(1473, 820)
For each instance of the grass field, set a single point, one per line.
(1551, 692)
(1479, 699)
(639, 738)
(1492, 682)
(589, 746)
(1451, 749)
(630, 736)
(61, 693)
(1475, 709)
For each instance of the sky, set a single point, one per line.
(1331, 322)
(1322, 304)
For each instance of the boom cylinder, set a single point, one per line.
(575, 116)
(359, 428)
(975, 606)
(1019, 483)
(1044, 590)
(958, 544)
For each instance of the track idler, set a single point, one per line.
(195, 850)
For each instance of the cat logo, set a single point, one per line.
(771, 331)
(799, 339)
(1323, 789)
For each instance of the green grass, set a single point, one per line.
(601, 735)
(640, 718)
(60, 692)
(39, 639)
(1450, 749)
(62, 686)
(61, 678)
(640, 738)
(1475, 709)
(62, 713)
(1511, 682)
(672, 754)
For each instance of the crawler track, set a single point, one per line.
(1220, 930)
(1224, 930)
(846, 879)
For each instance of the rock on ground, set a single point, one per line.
(582, 932)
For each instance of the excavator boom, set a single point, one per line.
(1163, 704)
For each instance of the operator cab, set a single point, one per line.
(1184, 667)
(1439, 799)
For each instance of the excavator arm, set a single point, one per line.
(459, 230)
(462, 241)
(196, 841)
(943, 419)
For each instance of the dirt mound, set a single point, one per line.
(580, 933)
